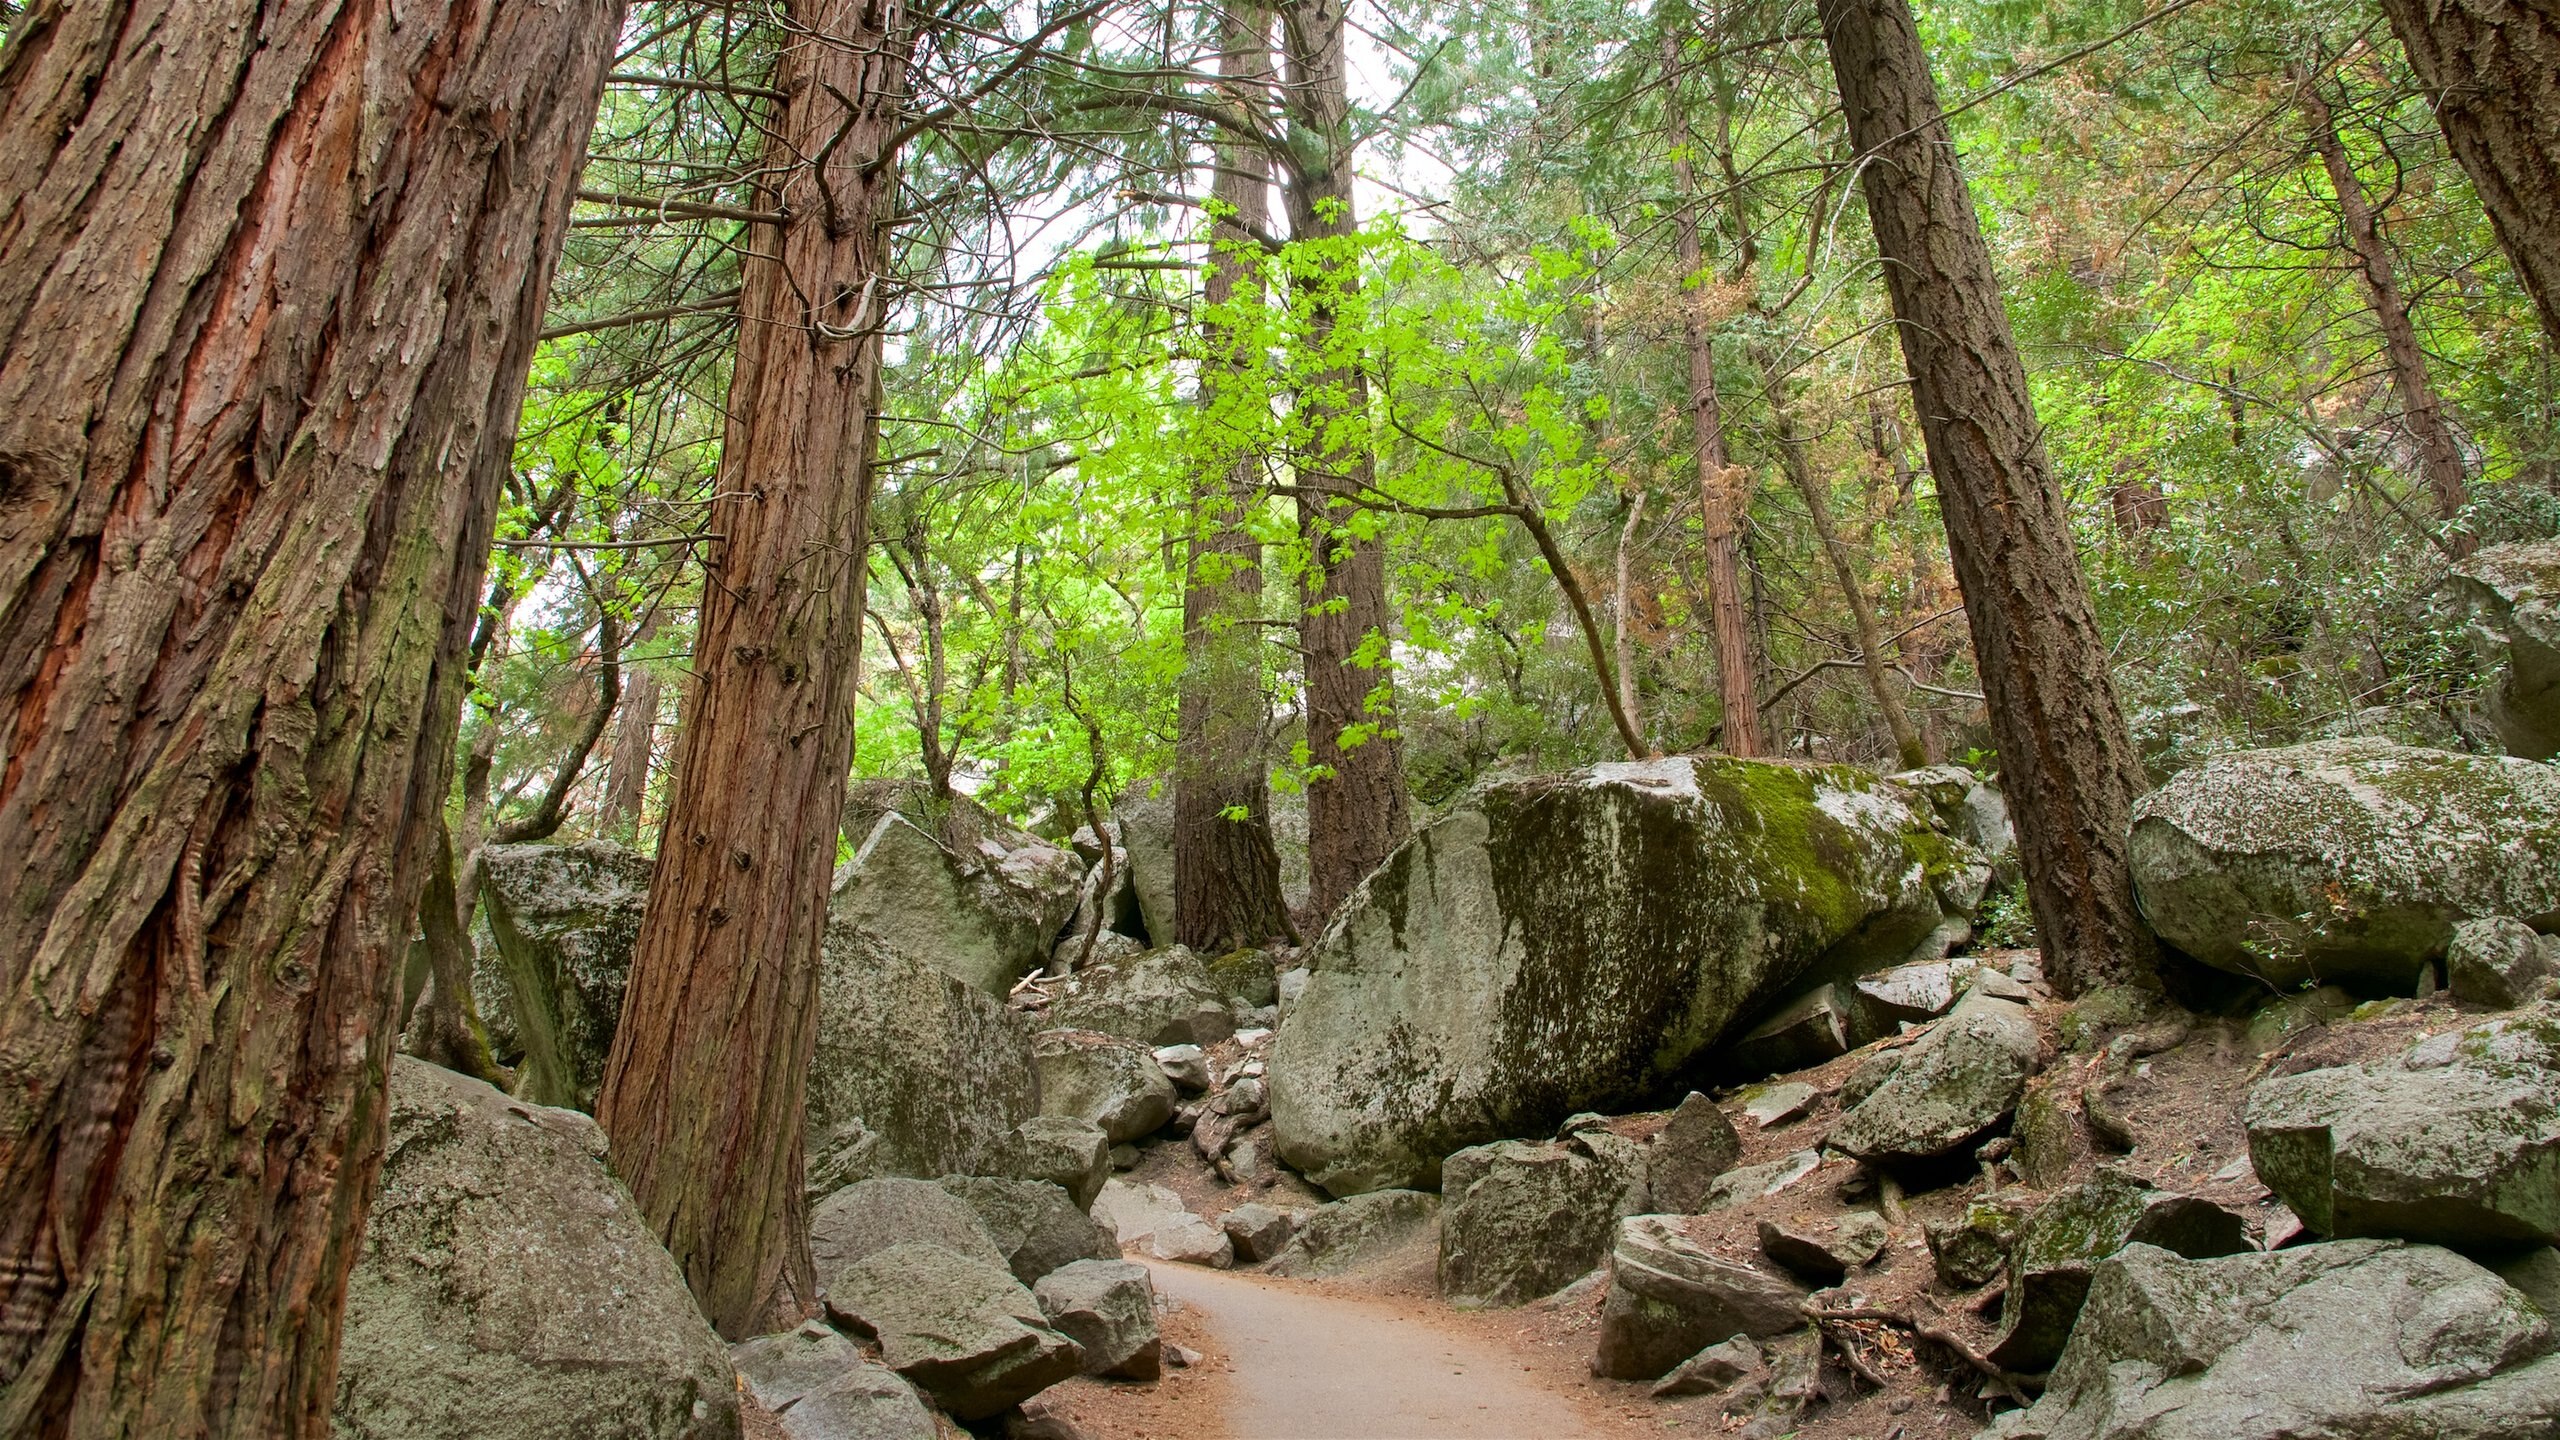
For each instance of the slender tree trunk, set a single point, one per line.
(270, 278)
(1722, 485)
(1226, 869)
(2440, 461)
(635, 740)
(703, 1090)
(1625, 636)
(1356, 810)
(2066, 759)
(1844, 568)
(2491, 69)
(445, 1026)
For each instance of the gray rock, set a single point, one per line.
(1960, 1079)
(1909, 995)
(1132, 1212)
(2359, 1340)
(1109, 947)
(1036, 1225)
(1695, 1147)
(984, 907)
(1245, 978)
(2513, 595)
(1974, 1248)
(1824, 1253)
(1161, 997)
(2345, 861)
(1146, 833)
(1752, 1182)
(1575, 942)
(2536, 1273)
(1187, 1239)
(2499, 962)
(864, 1219)
(939, 1072)
(1104, 1080)
(1973, 810)
(1712, 1371)
(561, 924)
(1109, 1308)
(508, 1289)
(960, 1327)
(1670, 1297)
(2059, 1247)
(1774, 1105)
(1521, 1219)
(1260, 1231)
(1247, 1096)
(1124, 1156)
(2455, 1141)
(1350, 1233)
(1802, 1033)
(1186, 1065)
(1070, 1153)
(821, 1387)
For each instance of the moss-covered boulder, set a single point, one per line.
(2513, 595)
(1582, 942)
(954, 886)
(1160, 997)
(558, 925)
(2345, 861)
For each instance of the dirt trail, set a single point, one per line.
(1312, 1365)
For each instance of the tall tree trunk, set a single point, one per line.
(2491, 69)
(704, 1088)
(2066, 759)
(1844, 567)
(2440, 461)
(1625, 636)
(270, 278)
(1722, 485)
(635, 740)
(445, 1027)
(1226, 870)
(1357, 810)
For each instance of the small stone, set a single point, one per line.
(1713, 1370)
(1970, 1251)
(1825, 1255)
(1752, 1182)
(1245, 1097)
(1958, 1080)
(1185, 1065)
(1805, 1032)
(1778, 1105)
(1258, 1231)
(1124, 1157)
(1694, 1147)
(1186, 1239)
(1181, 1357)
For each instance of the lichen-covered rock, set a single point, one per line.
(821, 1387)
(863, 1219)
(1132, 1212)
(2454, 1141)
(2346, 861)
(1104, 1080)
(1972, 1249)
(1070, 1153)
(508, 1289)
(1943, 1090)
(1522, 1219)
(959, 1326)
(1161, 997)
(1825, 1253)
(1260, 1231)
(1912, 994)
(1804, 1032)
(561, 924)
(1350, 1233)
(2499, 962)
(984, 908)
(1146, 837)
(1245, 978)
(1108, 1307)
(2513, 595)
(1693, 1149)
(1575, 942)
(2359, 1340)
(1670, 1297)
(1036, 1225)
(2060, 1246)
(938, 1071)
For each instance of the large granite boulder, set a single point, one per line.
(1671, 1296)
(1577, 942)
(1107, 1306)
(1348, 1234)
(1932, 1097)
(863, 1219)
(1070, 1153)
(2358, 1340)
(954, 886)
(821, 1387)
(1693, 1149)
(1146, 837)
(1104, 1080)
(959, 1326)
(2513, 595)
(508, 1289)
(1162, 997)
(2059, 1248)
(915, 1073)
(2344, 862)
(554, 954)
(1035, 1224)
(1521, 1219)
(2455, 1141)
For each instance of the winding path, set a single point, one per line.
(1315, 1366)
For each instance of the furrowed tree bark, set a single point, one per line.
(2491, 69)
(1721, 484)
(2440, 461)
(704, 1087)
(1356, 810)
(270, 278)
(635, 739)
(2066, 759)
(1226, 869)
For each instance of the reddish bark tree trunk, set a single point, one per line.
(2492, 71)
(635, 740)
(704, 1088)
(1226, 870)
(1358, 811)
(2066, 760)
(270, 278)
